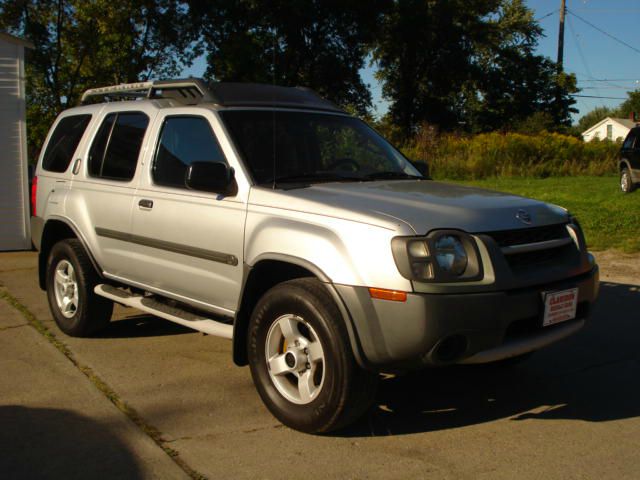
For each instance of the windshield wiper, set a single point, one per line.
(391, 175)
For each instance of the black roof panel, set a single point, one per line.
(230, 94)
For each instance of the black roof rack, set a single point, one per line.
(192, 91)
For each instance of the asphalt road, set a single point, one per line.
(570, 411)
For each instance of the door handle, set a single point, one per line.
(76, 166)
(145, 203)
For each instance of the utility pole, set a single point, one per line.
(563, 10)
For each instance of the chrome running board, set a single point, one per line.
(159, 309)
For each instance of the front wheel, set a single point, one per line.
(626, 182)
(301, 360)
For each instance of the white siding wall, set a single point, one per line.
(14, 200)
(619, 131)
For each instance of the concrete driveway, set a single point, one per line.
(177, 400)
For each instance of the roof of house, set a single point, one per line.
(17, 40)
(625, 122)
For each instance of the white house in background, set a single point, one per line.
(610, 128)
(14, 183)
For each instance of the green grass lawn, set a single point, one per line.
(610, 219)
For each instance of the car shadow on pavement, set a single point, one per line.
(592, 377)
(140, 326)
(54, 443)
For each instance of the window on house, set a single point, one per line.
(610, 132)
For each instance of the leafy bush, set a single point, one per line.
(512, 154)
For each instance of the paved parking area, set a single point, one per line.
(571, 411)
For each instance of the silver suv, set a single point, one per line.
(268, 216)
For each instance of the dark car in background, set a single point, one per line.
(629, 166)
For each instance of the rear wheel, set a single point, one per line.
(71, 278)
(301, 360)
(626, 182)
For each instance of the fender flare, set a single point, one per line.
(42, 257)
(240, 324)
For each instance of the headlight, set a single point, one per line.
(450, 255)
(441, 256)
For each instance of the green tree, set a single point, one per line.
(313, 43)
(467, 66)
(535, 124)
(515, 85)
(424, 57)
(630, 105)
(80, 45)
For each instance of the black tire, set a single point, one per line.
(626, 181)
(91, 312)
(346, 390)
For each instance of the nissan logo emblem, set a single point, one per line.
(524, 217)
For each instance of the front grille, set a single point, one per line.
(538, 255)
(510, 238)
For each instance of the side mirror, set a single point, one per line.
(216, 177)
(422, 167)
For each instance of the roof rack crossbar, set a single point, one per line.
(189, 91)
(117, 90)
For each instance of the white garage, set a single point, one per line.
(14, 182)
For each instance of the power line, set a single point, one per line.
(547, 15)
(610, 10)
(591, 79)
(606, 88)
(596, 96)
(580, 52)
(603, 32)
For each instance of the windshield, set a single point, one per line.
(302, 147)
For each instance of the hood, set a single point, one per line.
(426, 205)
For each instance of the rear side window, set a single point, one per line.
(63, 142)
(183, 140)
(630, 140)
(116, 147)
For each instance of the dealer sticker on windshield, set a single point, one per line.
(560, 306)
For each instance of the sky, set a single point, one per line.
(604, 66)
(590, 54)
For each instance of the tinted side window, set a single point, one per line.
(63, 142)
(630, 140)
(183, 140)
(116, 147)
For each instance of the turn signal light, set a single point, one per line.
(384, 294)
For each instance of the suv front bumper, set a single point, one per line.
(441, 329)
